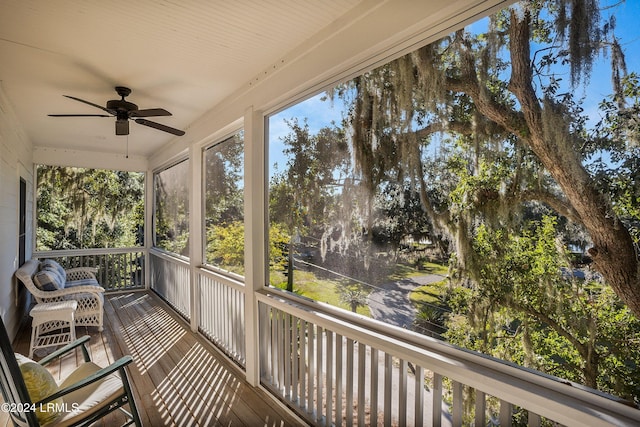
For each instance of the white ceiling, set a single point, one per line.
(185, 56)
(182, 55)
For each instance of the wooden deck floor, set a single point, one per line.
(179, 380)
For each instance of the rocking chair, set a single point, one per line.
(34, 399)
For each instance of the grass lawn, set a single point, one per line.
(430, 293)
(307, 284)
(401, 271)
(433, 268)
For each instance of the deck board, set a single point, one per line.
(178, 378)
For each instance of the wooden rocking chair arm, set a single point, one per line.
(118, 365)
(67, 348)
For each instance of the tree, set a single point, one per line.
(225, 247)
(317, 165)
(223, 164)
(524, 311)
(224, 203)
(399, 215)
(88, 208)
(500, 95)
(172, 208)
(354, 296)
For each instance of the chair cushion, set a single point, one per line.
(48, 279)
(40, 384)
(52, 264)
(89, 399)
(82, 282)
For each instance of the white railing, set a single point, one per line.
(170, 278)
(117, 269)
(339, 369)
(219, 301)
(221, 316)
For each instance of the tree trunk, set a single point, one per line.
(613, 252)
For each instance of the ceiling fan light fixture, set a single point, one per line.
(122, 127)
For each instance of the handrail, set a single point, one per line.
(289, 317)
(89, 251)
(118, 269)
(410, 337)
(170, 277)
(169, 256)
(226, 280)
(544, 395)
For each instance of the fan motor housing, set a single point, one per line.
(121, 105)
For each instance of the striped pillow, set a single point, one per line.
(48, 279)
(49, 263)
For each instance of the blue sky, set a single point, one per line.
(321, 113)
(318, 113)
(628, 31)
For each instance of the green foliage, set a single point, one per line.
(326, 291)
(225, 248)
(442, 142)
(279, 240)
(172, 209)
(432, 309)
(528, 308)
(619, 135)
(88, 208)
(353, 295)
(224, 185)
(317, 165)
(398, 214)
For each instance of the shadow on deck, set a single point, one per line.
(178, 378)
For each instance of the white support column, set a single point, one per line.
(148, 225)
(196, 231)
(255, 216)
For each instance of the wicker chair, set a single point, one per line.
(89, 294)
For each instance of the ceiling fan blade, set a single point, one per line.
(151, 112)
(159, 126)
(78, 115)
(112, 112)
(122, 127)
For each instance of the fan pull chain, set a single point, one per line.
(127, 155)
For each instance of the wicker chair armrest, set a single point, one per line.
(80, 273)
(82, 289)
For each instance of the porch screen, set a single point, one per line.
(171, 213)
(224, 204)
(80, 208)
(482, 190)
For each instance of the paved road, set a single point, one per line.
(390, 303)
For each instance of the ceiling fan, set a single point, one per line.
(123, 111)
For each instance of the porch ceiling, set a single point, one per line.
(185, 56)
